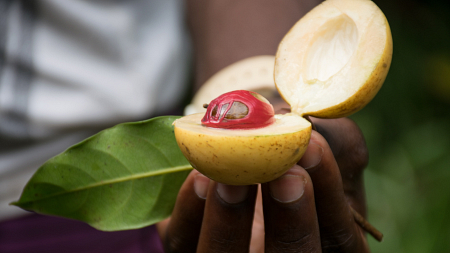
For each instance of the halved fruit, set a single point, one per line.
(330, 64)
(335, 59)
(241, 157)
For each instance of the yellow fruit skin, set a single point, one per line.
(368, 91)
(242, 160)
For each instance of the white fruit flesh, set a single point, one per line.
(335, 59)
(241, 157)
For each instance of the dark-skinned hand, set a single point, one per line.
(305, 210)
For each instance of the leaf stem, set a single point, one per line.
(364, 224)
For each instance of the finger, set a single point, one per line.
(257, 241)
(345, 140)
(290, 218)
(338, 230)
(350, 151)
(183, 229)
(228, 217)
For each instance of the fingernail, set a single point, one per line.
(288, 188)
(232, 194)
(312, 156)
(201, 185)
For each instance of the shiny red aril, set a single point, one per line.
(239, 109)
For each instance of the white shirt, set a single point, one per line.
(83, 65)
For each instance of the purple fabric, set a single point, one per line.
(37, 233)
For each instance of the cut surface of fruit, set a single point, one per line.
(241, 157)
(335, 59)
(284, 124)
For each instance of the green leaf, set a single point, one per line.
(125, 177)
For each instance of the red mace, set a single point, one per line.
(239, 109)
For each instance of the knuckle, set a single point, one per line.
(355, 153)
(177, 244)
(226, 240)
(341, 241)
(345, 140)
(223, 244)
(360, 154)
(293, 241)
(173, 245)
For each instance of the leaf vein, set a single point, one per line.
(116, 180)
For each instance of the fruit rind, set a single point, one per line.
(242, 157)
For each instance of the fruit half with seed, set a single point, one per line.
(243, 156)
(330, 64)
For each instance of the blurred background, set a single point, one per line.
(406, 126)
(407, 129)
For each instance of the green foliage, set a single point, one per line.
(124, 177)
(407, 128)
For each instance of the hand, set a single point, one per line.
(305, 210)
